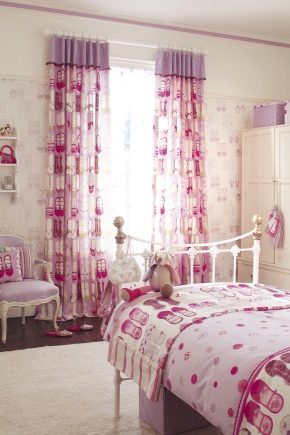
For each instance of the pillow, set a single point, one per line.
(21, 256)
(10, 269)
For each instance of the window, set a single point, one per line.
(132, 111)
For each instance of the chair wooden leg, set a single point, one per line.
(23, 315)
(56, 311)
(4, 311)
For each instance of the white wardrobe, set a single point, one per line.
(266, 182)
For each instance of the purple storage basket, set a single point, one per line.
(287, 112)
(170, 415)
(269, 114)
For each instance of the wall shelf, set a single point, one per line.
(8, 137)
(8, 145)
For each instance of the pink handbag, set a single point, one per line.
(7, 154)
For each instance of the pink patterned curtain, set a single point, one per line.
(78, 119)
(179, 185)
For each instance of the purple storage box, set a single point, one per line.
(269, 114)
(169, 415)
(287, 112)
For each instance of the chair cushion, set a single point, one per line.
(10, 269)
(17, 241)
(27, 290)
(21, 255)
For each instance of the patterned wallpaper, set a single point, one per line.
(23, 104)
(225, 118)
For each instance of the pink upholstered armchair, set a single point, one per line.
(18, 287)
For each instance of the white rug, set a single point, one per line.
(66, 390)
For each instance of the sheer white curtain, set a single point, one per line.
(132, 111)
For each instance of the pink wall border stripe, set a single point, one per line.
(143, 24)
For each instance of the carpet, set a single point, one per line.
(66, 390)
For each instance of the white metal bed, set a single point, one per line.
(213, 249)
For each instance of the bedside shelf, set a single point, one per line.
(7, 191)
(8, 164)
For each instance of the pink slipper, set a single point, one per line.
(139, 316)
(276, 367)
(257, 418)
(79, 328)
(63, 333)
(263, 394)
(285, 357)
(131, 329)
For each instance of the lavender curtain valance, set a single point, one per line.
(79, 52)
(180, 63)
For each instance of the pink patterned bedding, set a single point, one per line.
(215, 347)
(266, 401)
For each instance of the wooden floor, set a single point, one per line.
(32, 334)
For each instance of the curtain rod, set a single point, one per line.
(48, 32)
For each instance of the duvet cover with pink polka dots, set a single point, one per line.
(224, 349)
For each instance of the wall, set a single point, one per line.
(233, 68)
(238, 74)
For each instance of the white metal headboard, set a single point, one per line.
(194, 249)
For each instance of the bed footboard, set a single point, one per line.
(169, 415)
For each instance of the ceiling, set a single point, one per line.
(262, 19)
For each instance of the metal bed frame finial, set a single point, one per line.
(120, 237)
(257, 233)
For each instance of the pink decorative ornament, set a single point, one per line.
(275, 227)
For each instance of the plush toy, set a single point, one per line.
(161, 274)
(6, 131)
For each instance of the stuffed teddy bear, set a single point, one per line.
(161, 274)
